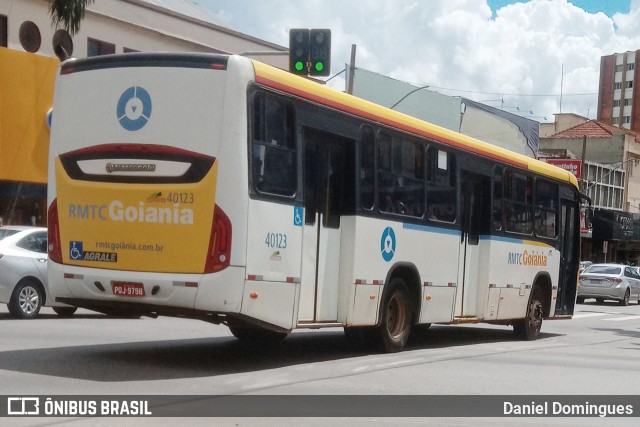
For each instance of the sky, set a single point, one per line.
(533, 58)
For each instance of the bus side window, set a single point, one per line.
(367, 168)
(441, 186)
(386, 186)
(273, 151)
(546, 208)
(400, 176)
(518, 202)
(497, 199)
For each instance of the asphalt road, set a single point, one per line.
(596, 353)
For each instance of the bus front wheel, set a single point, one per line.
(529, 328)
(395, 324)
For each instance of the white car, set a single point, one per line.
(609, 281)
(23, 272)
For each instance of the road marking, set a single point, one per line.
(402, 362)
(585, 315)
(620, 319)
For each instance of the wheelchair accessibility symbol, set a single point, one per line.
(388, 244)
(297, 216)
(134, 108)
(75, 250)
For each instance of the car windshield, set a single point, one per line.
(604, 269)
(6, 232)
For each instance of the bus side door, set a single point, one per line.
(475, 190)
(328, 194)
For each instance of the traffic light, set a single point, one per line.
(320, 52)
(310, 51)
(299, 50)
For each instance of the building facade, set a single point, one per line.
(606, 160)
(618, 97)
(462, 115)
(31, 48)
(120, 26)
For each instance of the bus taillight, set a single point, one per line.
(54, 248)
(219, 254)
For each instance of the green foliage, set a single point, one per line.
(69, 13)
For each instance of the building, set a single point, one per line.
(462, 115)
(120, 26)
(416, 101)
(31, 48)
(26, 92)
(609, 171)
(618, 100)
(606, 160)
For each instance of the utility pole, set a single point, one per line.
(352, 69)
(584, 155)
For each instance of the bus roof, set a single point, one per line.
(295, 85)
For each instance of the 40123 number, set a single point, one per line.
(276, 240)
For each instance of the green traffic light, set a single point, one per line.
(299, 65)
(319, 66)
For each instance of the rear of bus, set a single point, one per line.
(147, 166)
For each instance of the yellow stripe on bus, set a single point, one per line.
(289, 83)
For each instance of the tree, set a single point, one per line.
(69, 13)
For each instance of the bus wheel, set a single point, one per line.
(256, 335)
(529, 327)
(395, 324)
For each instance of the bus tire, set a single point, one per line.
(396, 318)
(256, 335)
(529, 328)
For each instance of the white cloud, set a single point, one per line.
(456, 46)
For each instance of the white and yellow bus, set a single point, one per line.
(218, 188)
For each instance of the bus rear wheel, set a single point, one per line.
(396, 319)
(529, 328)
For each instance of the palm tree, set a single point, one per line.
(69, 13)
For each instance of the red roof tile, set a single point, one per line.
(591, 129)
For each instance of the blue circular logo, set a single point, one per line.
(134, 108)
(388, 244)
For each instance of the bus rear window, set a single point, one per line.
(273, 147)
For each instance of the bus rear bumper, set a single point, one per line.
(170, 294)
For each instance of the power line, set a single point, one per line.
(505, 94)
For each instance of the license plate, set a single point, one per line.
(596, 281)
(127, 289)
